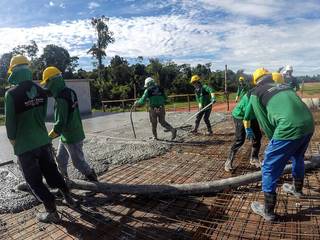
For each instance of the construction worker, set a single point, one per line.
(25, 109)
(242, 88)
(240, 135)
(156, 96)
(204, 97)
(68, 125)
(289, 79)
(289, 125)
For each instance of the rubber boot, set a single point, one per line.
(267, 210)
(174, 133)
(92, 177)
(228, 163)
(50, 215)
(294, 189)
(209, 133)
(254, 159)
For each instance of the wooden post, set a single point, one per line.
(226, 86)
(189, 106)
(122, 106)
(301, 90)
(135, 94)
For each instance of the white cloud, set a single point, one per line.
(93, 5)
(51, 4)
(184, 39)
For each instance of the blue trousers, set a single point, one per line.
(276, 156)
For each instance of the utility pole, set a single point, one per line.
(226, 86)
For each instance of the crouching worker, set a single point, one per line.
(157, 99)
(204, 97)
(67, 124)
(240, 135)
(25, 109)
(289, 125)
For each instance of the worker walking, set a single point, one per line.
(67, 125)
(25, 109)
(289, 79)
(157, 99)
(204, 96)
(243, 88)
(289, 125)
(240, 135)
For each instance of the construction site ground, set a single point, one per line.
(198, 158)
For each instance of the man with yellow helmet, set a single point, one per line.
(204, 96)
(289, 125)
(25, 109)
(243, 88)
(67, 124)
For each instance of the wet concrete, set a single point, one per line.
(109, 140)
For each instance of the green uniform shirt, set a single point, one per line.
(203, 95)
(66, 112)
(280, 112)
(239, 110)
(26, 109)
(155, 95)
(242, 90)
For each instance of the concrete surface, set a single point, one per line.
(109, 140)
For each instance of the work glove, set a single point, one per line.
(249, 133)
(213, 100)
(136, 103)
(53, 134)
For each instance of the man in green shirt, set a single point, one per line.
(240, 135)
(67, 124)
(289, 125)
(204, 96)
(289, 79)
(25, 109)
(243, 88)
(157, 99)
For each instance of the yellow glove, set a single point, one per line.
(200, 106)
(53, 134)
(246, 124)
(13, 142)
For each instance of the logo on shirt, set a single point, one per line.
(33, 100)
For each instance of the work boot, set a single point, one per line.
(23, 187)
(228, 163)
(254, 161)
(194, 131)
(68, 200)
(50, 215)
(174, 133)
(267, 210)
(92, 177)
(294, 189)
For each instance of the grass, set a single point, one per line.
(311, 88)
(2, 120)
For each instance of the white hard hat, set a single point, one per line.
(148, 81)
(289, 68)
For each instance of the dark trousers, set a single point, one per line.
(205, 114)
(158, 114)
(39, 163)
(240, 136)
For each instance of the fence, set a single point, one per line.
(181, 102)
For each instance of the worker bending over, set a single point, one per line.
(289, 125)
(67, 124)
(26, 109)
(243, 88)
(204, 96)
(157, 98)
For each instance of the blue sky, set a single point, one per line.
(244, 34)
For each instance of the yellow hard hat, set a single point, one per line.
(241, 79)
(277, 77)
(48, 73)
(194, 79)
(260, 72)
(17, 60)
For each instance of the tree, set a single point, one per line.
(4, 64)
(30, 50)
(104, 38)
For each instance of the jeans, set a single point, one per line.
(276, 156)
(75, 152)
(205, 114)
(158, 114)
(39, 163)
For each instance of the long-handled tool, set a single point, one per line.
(134, 132)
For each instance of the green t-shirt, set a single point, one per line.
(155, 95)
(280, 112)
(203, 95)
